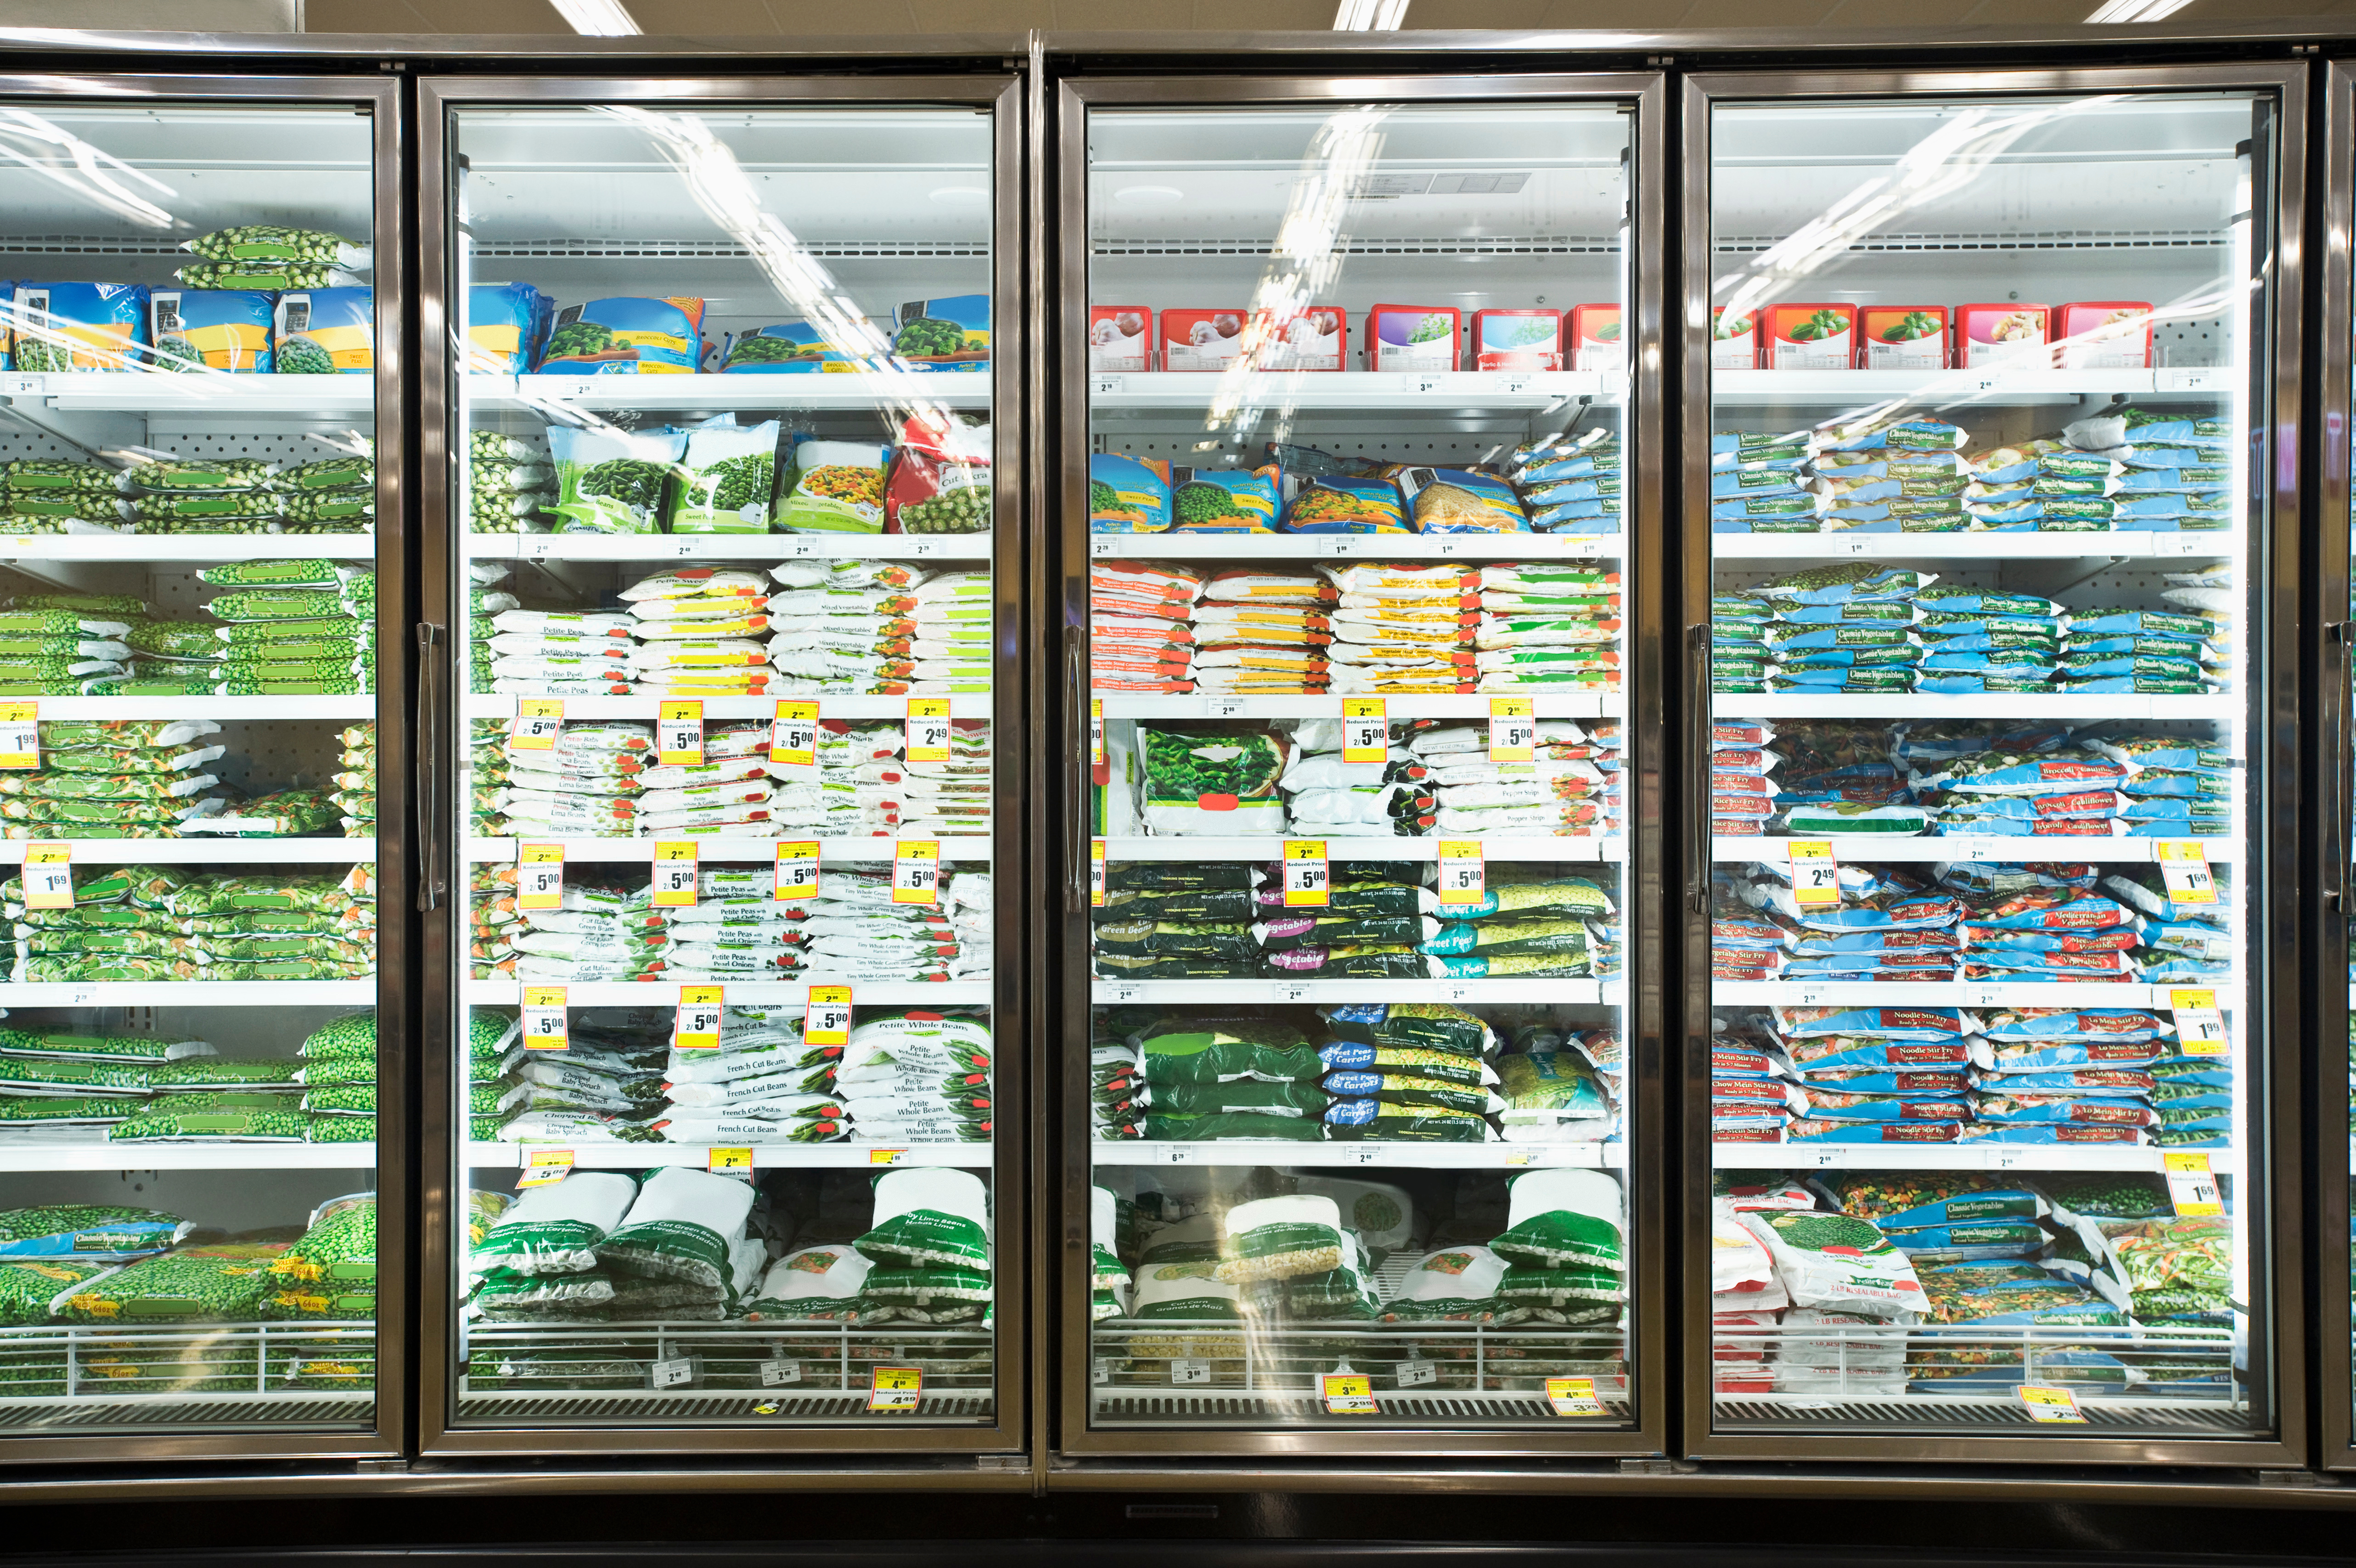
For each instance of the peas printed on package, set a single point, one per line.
(727, 479)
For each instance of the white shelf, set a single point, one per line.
(943, 547)
(1959, 993)
(1989, 547)
(1452, 705)
(102, 392)
(202, 849)
(964, 705)
(340, 710)
(2002, 384)
(1595, 848)
(767, 993)
(1467, 547)
(1232, 1152)
(1956, 1158)
(1854, 847)
(1475, 993)
(192, 993)
(2085, 708)
(539, 394)
(765, 1156)
(1190, 391)
(831, 851)
(195, 548)
(80, 1153)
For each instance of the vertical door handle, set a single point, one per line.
(1697, 834)
(430, 883)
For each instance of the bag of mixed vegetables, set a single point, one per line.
(838, 487)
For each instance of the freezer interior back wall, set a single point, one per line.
(1987, 644)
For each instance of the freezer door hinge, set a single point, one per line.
(1659, 1467)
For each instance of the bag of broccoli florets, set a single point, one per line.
(325, 331)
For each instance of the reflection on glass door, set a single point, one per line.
(188, 1070)
(725, 482)
(1981, 908)
(1355, 611)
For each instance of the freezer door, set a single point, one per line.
(720, 483)
(1354, 890)
(189, 714)
(1981, 479)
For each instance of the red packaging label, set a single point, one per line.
(1990, 335)
(1120, 338)
(1901, 337)
(1313, 339)
(1810, 337)
(2103, 335)
(1516, 340)
(1733, 340)
(1201, 339)
(1594, 337)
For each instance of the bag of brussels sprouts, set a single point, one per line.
(278, 242)
(728, 480)
(252, 474)
(940, 480)
(613, 483)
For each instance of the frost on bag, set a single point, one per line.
(683, 1226)
(611, 482)
(555, 1229)
(1838, 1260)
(1281, 1237)
(817, 1282)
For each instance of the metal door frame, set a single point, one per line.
(2276, 981)
(1065, 418)
(1000, 94)
(387, 1431)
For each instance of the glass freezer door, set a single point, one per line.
(188, 558)
(723, 480)
(1981, 903)
(1356, 599)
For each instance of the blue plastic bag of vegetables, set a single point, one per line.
(626, 335)
(506, 324)
(209, 330)
(76, 326)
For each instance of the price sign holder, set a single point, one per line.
(826, 1016)
(2192, 1186)
(1415, 1371)
(1307, 876)
(1348, 1393)
(20, 734)
(895, 1391)
(780, 1374)
(735, 1162)
(541, 1166)
(1513, 729)
(1189, 1369)
(2049, 1404)
(1573, 1396)
(676, 1372)
(544, 1019)
(916, 871)
(1366, 732)
(886, 1156)
(698, 1027)
(674, 879)
(793, 733)
(798, 869)
(2199, 1026)
(679, 733)
(927, 734)
(1100, 766)
(538, 722)
(539, 877)
(1816, 874)
(1098, 873)
(2184, 866)
(1463, 873)
(49, 876)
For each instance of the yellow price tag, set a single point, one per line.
(729, 1162)
(2048, 1403)
(49, 876)
(916, 871)
(1307, 878)
(2184, 866)
(20, 734)
(545, 1027)
(541, 1166)
(895, 1391)
(539, 877)
(1513, 729)
(2199, 1026)
(1096, 762)
(2192, 1186)
(1573, 1396)
(538, 722)
(1348, 1393)
(798, 869)
(1815, 875)
(1099, 873)
(674, 878)
(886, 1156)
(1463, 873)
(1366, 731)
(793, 733)
(927, 735)
(697, 1025)
(825, 1016)
(679, 733)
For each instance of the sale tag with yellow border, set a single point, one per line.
(1463, 873)
(679, 733)
(916, 871)
(886, 1156)
(2192, 1186)
(20, 734)
(1098, 873)
(544, 1019)
(825, 1016)
(538, 722)
(49, 876)
(1815, 875)
(539, 877)
(798, 869)
(697, 1028)
(729, 1162)
(1573, 1396)
(1307, 878)
(1097, 763)
(1348, 1393)
(895, 1391)
(2199, 1026)
(928, 729)
(541, 1166)
(1366, 731)
(2048, 1403)
(793, 732)
(1513, 729)
(674, 878)
(2184, 866)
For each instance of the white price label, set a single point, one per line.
(544, 1015)
(1099, 546)
(2189, 378)
(20, 734)
(697, 1025)
(916, 871)
(1366, 732)
(538, 722)
(1573, 1396)
(1513, 729)
(780, 1374)
(20, 386)
(541, 1166)
(793, 734)
(798, 869)
(674, 877)
(928, 729)
(674, 1372)
(1423, 386)
(49, 876)
(1307, 876)
(1104, 386)
(1227, 707)
(1187, 1369)
(826, 1016)
(539, 877)
(2184, 867)
(1415, 1371)
(1463, 873)
(1815, 875)
(1361, 1153)
(1513, 382)
(2192, 1186)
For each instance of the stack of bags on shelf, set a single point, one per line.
(2026, 780)
(851, 932)
(2121, 470)
(47, 496)
(80, 1086)
(1759, 483)
(601, 932)
(600, 1245)
(539, 1261)
(1263, 633)
(1847, 628)
(728, 792)
(233, 494)
(1215, 1074)
(63, 644)
(878, 628)
(355, 780)
(1401, 629)
(702, 631)
(761, 1085)
(1571, 483)
(1326, 796)
(161, 923)
(1410, 1072)
(1141, 626)
(98, 778)
(1118, 1098)
(1984, 640)
(486, 602)
(2053, 1075)
(339, 1065)
(1547, 628)
(2186, 648)
(607, 1081)
(589, 784)
(917, 1077)
(561, 653)
(509, 482)
(1911, 476)
(333, 495)
(1571, 790)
